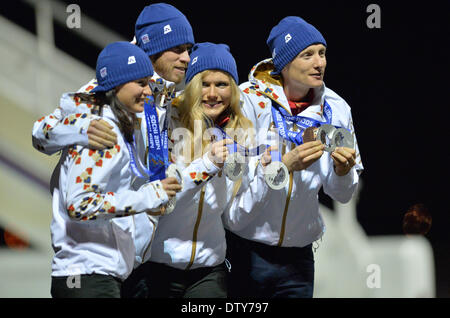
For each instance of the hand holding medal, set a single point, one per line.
(303, 156)
(336, 140)
(228, 154)
(223, 154)
(276, 173)
(344, 159)
(234, 166)
(339, 142)
(343, 152)
(333, 137)
(173, 172)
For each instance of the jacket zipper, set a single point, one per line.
(291, 177)
(197, 224)
(151, 240)
(288, 199)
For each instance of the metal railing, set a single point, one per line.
(33, 71)
(90, 30)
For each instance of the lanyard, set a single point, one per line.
(235, 147)
(158, 150)
(280, 116)
(135, 163)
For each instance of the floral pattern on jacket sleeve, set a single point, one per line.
(91, 176)
(66, 125)
(98, 182)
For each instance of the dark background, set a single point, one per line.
(394, 78)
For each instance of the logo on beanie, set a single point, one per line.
(145, 39)
(103, 72)
(167, 29)
(287, 38)
(194, 60)
(131, 60)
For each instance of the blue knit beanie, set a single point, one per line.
(210, 56)
(287, 39)
(119, 63)
(160, 27)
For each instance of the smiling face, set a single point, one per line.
(216, 93)
(172, 64)
(133, 94)
(305, 71)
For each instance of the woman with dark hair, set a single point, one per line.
(97, 204)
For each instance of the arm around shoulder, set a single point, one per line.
(66, 126)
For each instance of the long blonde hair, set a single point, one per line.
(190, 110)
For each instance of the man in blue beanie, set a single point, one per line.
(166, 36)
(271, 249)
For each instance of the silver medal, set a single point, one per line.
(343, 138)
(170, 206)
(174, 172)
(325, 135)
(276, 175)
(234, 166)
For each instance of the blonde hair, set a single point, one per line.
(190, 109)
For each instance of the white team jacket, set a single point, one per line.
(50, 135)
(290, 217)
(90, 188)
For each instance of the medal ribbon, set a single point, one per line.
(135, 163)
(235, 147)
(280, 116)
(158, 149)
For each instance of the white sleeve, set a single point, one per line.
(88, 179)
(63, 128)
(66, 126)
(341, 188)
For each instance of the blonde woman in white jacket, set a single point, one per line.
(93, 254)
(188, 252)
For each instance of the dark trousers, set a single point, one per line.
(155, 280)
(260, 270)
(86, 286)
(136, 285)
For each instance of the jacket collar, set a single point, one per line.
(162, 87)
(272, 85)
